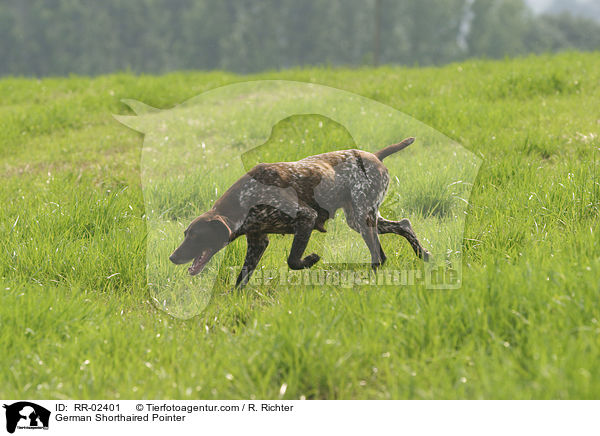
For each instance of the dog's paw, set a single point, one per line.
(307, 262)
(376, 265)
(310, 260)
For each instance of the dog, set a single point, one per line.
(297, 198)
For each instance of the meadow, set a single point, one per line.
(79, 320)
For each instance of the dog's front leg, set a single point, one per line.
(257, 244)
(305, 222)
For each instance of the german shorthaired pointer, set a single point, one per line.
(297, 198)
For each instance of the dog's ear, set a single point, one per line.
(220, 228)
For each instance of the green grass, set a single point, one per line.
(79, 320)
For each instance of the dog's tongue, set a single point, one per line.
(199, 263)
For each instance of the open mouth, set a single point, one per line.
(200, 262)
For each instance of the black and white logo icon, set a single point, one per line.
(26, 415)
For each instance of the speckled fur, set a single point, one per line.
(299, 197)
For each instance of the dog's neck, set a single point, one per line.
(228, 207)
(234, 224)
(232, 218)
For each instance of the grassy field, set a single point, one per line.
(79, 320)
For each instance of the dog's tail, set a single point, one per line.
(390, 149)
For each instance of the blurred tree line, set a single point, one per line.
(57, 37)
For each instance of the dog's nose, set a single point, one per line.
(172, 258)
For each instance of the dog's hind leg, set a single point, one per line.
(403, 228)
(370, 235)
(305, 223)
(365, 224)
(257, 244)
(371, 238)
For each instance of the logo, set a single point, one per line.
(26, 415)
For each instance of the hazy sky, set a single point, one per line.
(540, 5)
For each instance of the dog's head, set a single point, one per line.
(204, 237)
